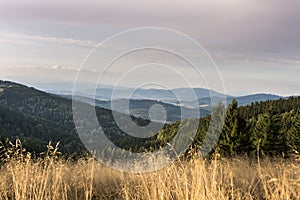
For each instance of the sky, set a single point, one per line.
(255, 44)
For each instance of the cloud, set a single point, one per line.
(54, 67)
(271, 24)
(17, 42)
(254, 55)
(59, 67)
(22, 39)
(243, 35)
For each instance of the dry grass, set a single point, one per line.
(54, 178)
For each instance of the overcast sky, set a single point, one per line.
(255, 43)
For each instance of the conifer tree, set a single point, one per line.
(293, 134)
(229, 138)
(260, 134)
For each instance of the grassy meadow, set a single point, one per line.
(51, 177)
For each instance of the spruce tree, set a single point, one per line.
(260, 134)
(229, 138)
(293, 134)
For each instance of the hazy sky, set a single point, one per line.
(255, 43)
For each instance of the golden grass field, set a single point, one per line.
(238, 178)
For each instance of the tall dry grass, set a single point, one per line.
(238, 178)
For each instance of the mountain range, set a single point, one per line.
(37, 117)
(141, 100)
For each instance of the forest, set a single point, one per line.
(263, 128)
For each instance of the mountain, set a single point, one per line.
(242, 100)
(168, 96)
(140, 108)
(39, 117)
(105, 92)
(270, 127)
(184, 97)
(248, 99)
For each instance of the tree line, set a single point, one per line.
(263, 128)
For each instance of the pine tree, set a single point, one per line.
(275, 139)
(260, 134)
(214, 130)
(229, 138)
(293, 134)
(286, 125)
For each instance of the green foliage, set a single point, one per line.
(228, 141)
(265, 128)
(268, 128)
(38, 117)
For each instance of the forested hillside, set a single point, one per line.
(38, 117)
(268, 128)
(140, 108)
(263, 128)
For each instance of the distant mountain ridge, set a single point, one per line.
(242, 100)
(108, 92)
(140, 108)
(184, 95)
(37, 117)
(204, 96)
(142, 99)
(248, 99)
(145, 98)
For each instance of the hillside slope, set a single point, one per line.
(269, 128)
(40, 116)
